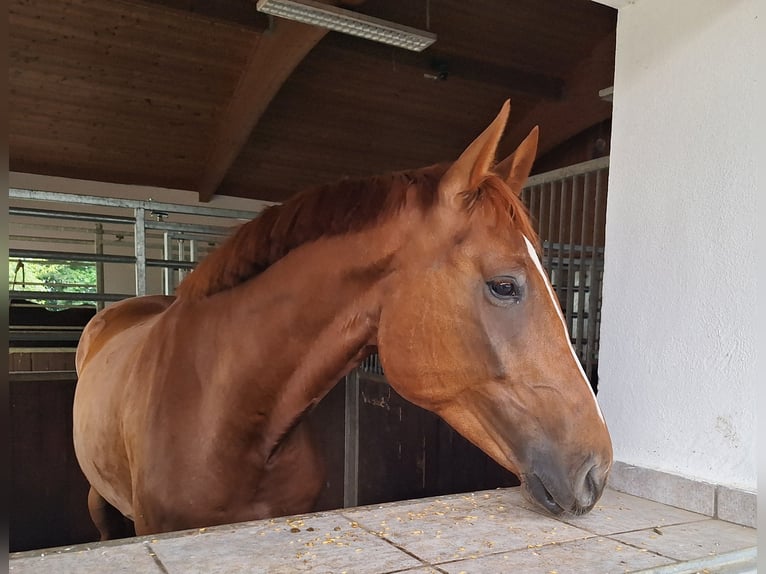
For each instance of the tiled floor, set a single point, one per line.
(483, 532)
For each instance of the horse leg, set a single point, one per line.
(109, 521)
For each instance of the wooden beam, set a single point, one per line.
(275, 54)
(434, 62)
(580, 106)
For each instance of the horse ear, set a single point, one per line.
(516, 167)
(474, 163)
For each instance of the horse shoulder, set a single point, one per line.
(115, 319)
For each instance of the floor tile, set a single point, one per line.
(464, 526)
(692, 540)
(317, 544)
(619, 512)
(123, 559)
(593, 556)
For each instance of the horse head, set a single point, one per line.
(471, 329)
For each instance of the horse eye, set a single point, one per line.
(505, 288)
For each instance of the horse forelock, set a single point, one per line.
(496, 198)
(335, 209)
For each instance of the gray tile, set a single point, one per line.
(594, 555)
(123, 559)
(738, 506)
(663, 487)
(315, 543)
(692, 540)
(620, 512)
(464, 526)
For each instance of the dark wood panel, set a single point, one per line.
(407, 452)
(327, 422)
(48, 493)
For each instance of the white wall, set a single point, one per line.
(677, 374)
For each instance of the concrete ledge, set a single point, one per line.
(717, 501)
(738, 506)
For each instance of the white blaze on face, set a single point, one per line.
(555, 301)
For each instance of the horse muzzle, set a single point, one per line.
(559, 492)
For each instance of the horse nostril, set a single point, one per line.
(591, 488)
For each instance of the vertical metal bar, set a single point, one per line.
(581, 275)
(166, 254)
(99, 249)
(549, 252)
(571, 265)
(181, 257)
(533, 197)
(593, 295)
(139, 245)
(541, 219)
(351, 442)
(562, 269)
(192, 250)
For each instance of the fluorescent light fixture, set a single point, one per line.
(348, 22)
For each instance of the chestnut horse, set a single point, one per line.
(189, 409)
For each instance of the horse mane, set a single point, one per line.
(344, 207)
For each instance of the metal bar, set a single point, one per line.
(533, 197)
(193, 250)
(37, 195)
(71, 215)
(561, 269)
(66, 296)
(549, 250)
(139, 245)
(594, 295)
(170, 263)
(569, 171)
(190, 228)
(351, 442)
(99, 249)
(581, 270)
(69, 256)
(165, 269)
(181, 257)
(571, 271)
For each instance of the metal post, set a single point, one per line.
(351, 442)
(181, 257)
(166, 270)
(139, 239)
(593, 293)
(99, 250)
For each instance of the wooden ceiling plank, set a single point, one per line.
(272, 60)
(581, 106)
(237, 12)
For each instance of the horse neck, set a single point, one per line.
(295, 330)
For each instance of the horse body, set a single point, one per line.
(189, 410)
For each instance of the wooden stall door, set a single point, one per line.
(49, 494)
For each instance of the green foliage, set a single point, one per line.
(70, 277)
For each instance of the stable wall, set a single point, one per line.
(677, 361)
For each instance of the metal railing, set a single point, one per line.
(569, 209)
(568, 206)
(120, 237)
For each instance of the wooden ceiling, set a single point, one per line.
(215, 98)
